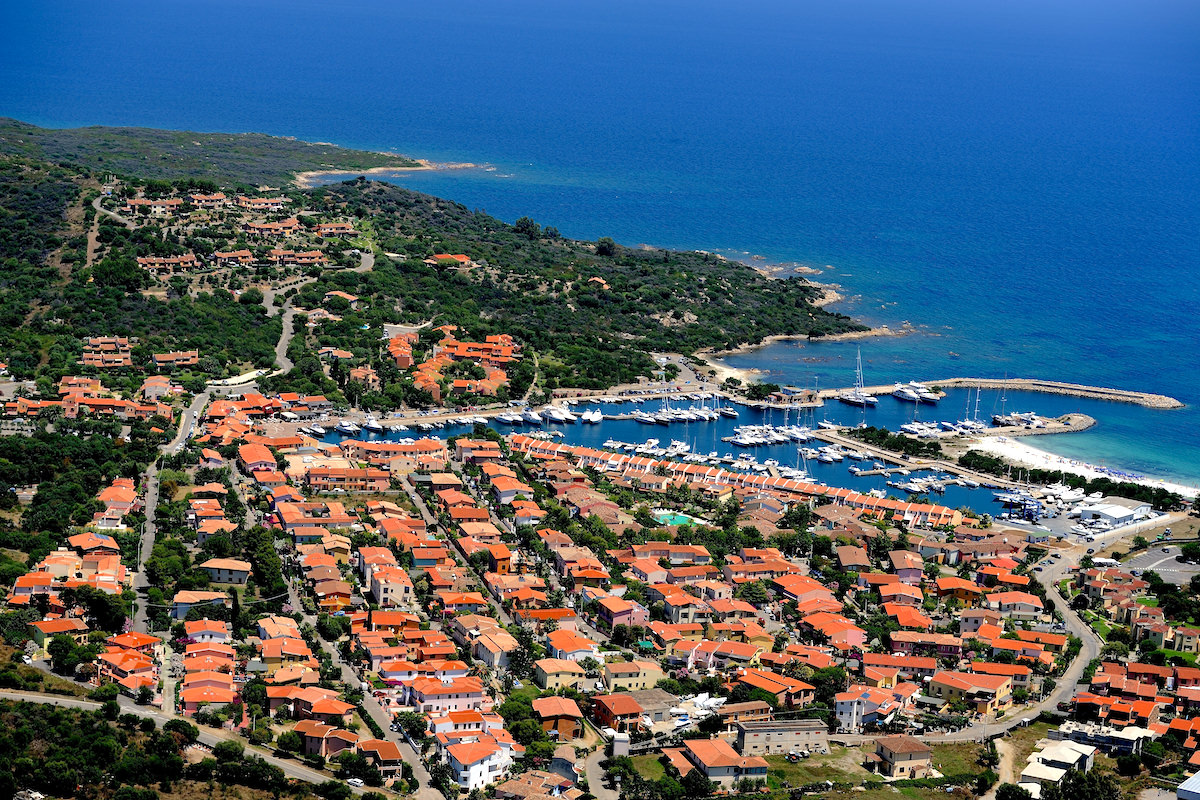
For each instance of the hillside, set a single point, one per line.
(229, 158)
(585, 314)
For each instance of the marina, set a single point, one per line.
(813, 444)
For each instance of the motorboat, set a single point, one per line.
(371, 424)
(346, 426)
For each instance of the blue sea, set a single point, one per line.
(1020, 180)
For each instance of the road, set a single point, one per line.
(382, 718)
(1162, 560)
(187, 420)
(596, 778)
(127, 223)
(208, 736)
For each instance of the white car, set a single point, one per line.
(355, 782)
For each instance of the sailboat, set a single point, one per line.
(856, 396)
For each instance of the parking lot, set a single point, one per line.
(1164, 564)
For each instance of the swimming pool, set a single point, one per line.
(673, 518)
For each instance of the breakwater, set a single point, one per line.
(1146, 399)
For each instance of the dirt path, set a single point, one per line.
(1005, 769)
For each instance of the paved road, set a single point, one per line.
(208, 736)
(187, 420)
(127, 223)
(1162, 560)
(284, 364)
(595, 776)
(382, 718)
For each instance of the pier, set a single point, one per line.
(913, 464)
(1059, 387)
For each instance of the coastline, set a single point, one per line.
(311, 178)
(1019, 452)
(715, 358)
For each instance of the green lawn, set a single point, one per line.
(841, 764)
(956, 759)
(1100, 625)
(1190, 658)
(529, 691)
(648, 766)
(1148, 601)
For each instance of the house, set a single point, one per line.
(618, 611)
(184, 601)
(625, 676)
(385, 756)
(207, 630)
(44, 631)
(983, 693)
(617, 711)
(560, 715)
(862, 706)
(716, 760)
(227, 570)
(901, 756)
(908, 566)
(553, 674)
(959, 589)
(853, 559)
(476, 764)
(763, 737)
(571, 646)
(255, 457)
(434, 696)
(1015, 605)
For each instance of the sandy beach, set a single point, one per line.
(307, 180)
(1019, 452)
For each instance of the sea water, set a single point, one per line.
(1021, 180)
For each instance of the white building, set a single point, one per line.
(1116, 511)
(476, 764)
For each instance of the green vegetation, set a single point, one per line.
(71, 753)
(252, 159)
(882, 437)
(649, 766)
(1157, 497)
(540, 290)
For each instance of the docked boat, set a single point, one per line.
(317, 429)
(726, 411)
(371, 424)
(857, 396)
(348, 427)
(531, 416)
(905, 393)
(592, 417)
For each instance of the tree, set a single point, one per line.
(290, 741)
(606, 247)
(528, 228)
(1076, 785)
(1129, 765)
(1010, 791)
(62, 653)
(228, 751)
(695, 784)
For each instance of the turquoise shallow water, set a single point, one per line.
(1021, 180)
